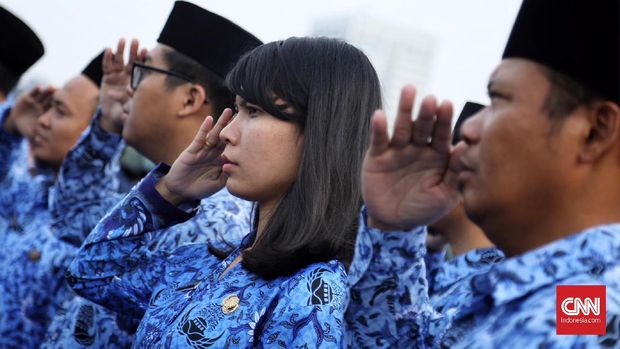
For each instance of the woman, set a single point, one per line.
(294, 147)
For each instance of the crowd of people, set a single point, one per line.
(283, 214)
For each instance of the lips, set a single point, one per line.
(227, 161)
(37, 139)
(227, 164)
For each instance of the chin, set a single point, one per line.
(239, 192)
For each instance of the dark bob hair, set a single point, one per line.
(331, 90)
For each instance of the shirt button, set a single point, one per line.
(34, 255)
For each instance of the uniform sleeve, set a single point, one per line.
(122, 260)
(87, 185)
(116, 266)
(390, 306)
(309, 313)
(10, 144)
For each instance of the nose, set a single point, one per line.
(471, 130)
(129, 90)
(230, 133)
(44, 119)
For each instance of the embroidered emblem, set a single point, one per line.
(195, 331)
(230, 304)
(320, 290)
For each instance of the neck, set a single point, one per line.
(177, 139)
(266, 210)
(592, 203)
(466, 237)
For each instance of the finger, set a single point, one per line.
(46, 102)
(142, 55)
(41, 95)
(424, 124)
(442, 135)
(120, 50)
(199, 140)
(35, 92)
(133, 50)
(404, 122)
(379, 141)
(214, 136)
(106, 63)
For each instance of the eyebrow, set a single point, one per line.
(60, 104)
(148, 58)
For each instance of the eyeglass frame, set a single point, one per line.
(137, 65)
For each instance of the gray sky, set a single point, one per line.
(470, 34)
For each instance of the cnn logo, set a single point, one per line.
(575, 306)
(580, 309)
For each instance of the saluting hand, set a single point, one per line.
(116, 74)
(197, 172)
(27, 109)
(407, 180)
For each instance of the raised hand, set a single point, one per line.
(197, 172)
(27, 109)
(116, 74)
(408, 180)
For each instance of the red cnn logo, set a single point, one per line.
(580, 309)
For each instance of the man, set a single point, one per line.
(179, 83)
(20, 48)
(27, 200)
(465, 248)
(538, 173)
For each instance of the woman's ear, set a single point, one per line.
(604, 119)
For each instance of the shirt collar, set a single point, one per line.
(589, 251)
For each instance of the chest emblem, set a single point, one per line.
(196, 332)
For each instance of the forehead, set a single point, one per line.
(520, 75)
(77, 90)
(155, 56)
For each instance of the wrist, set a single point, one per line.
(9, 126)
(167, 194)
(108, 125)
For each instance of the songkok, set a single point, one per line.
(209, 39)
(469, 110)
(20, 47)
(94, 70)
(579, 38)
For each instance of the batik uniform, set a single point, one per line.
(182, 296)
(490, 303)
(80, 323)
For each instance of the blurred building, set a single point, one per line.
(400, 54)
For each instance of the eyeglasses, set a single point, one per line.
(139, 71)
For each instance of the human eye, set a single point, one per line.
(495, 96)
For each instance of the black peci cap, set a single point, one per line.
(94, 70)
(579, 38)
(469, 109)
(20, 47)
(209, 39)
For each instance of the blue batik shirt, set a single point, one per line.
(485, 310)
(24, 222)
(515, 302)
(32, 269)
(79, 323)
(182, 300)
